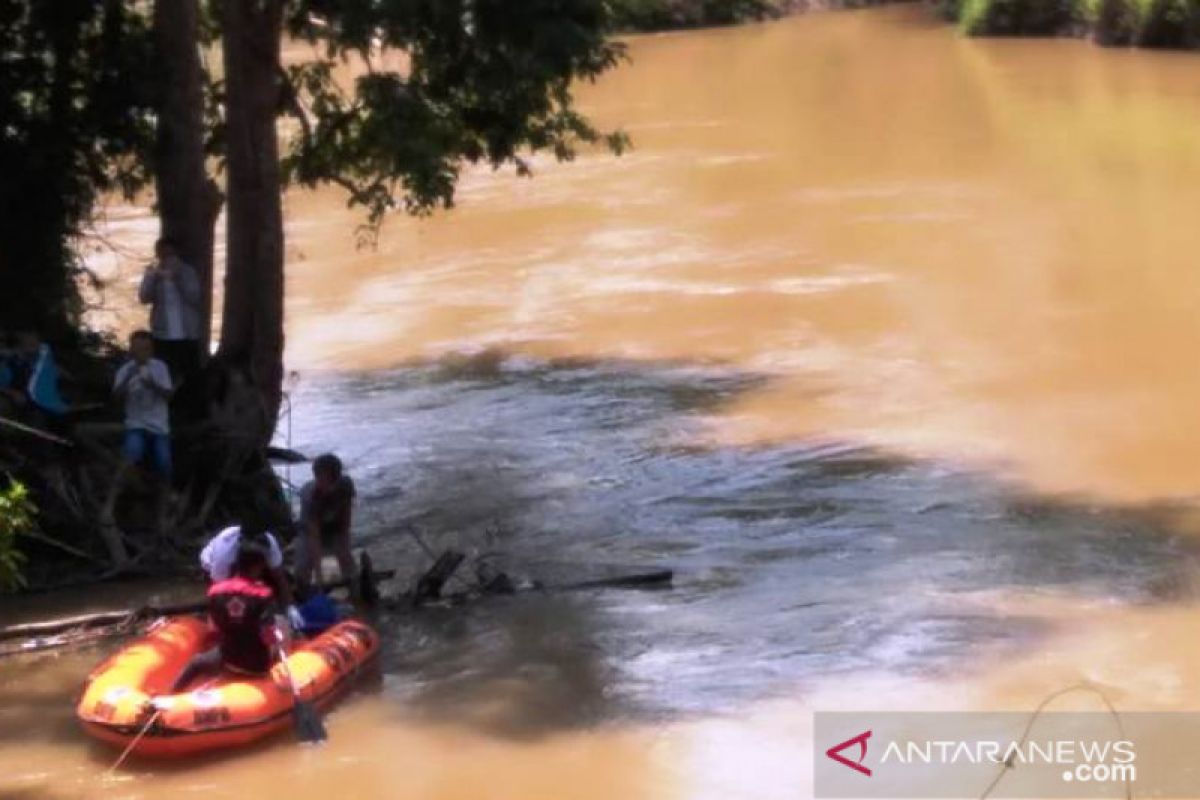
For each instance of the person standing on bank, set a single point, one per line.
(144, 385)
(172, 290)
(326, 510)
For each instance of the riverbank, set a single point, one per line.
(648, 16)
(1164, 24)
(75, 512)
(663, 15)
(1170, 24)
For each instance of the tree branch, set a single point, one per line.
(291, 100)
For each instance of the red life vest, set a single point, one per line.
(241, 611)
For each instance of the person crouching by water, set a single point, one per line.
(326, 511)
(219, 560)
(144, 385)
(241, 610)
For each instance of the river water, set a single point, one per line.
(881, 338)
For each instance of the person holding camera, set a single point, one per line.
(172, 289)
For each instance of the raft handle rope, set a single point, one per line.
(129, 747)
(146, 729)
(285, 411)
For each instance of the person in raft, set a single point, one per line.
(219, 560)
(326, 506)
(241, 610)
(144, 385)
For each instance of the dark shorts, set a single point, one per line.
(245, 655)
(332, 535)
(182, 357)
(215, 659)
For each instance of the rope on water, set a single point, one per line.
(285, 411)
(129, 747)
(146, 729)
(1084, 686)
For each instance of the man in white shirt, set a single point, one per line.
(144, 385)
(172, 289)
(219, 556)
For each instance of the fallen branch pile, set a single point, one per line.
(429, 590)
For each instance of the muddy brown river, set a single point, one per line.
(882, 338)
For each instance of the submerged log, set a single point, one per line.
(64, 624)
(368, 589)
(501, 584)
(80, 629)
(655, 579)
(430, 585)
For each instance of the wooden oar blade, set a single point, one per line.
(309, 727)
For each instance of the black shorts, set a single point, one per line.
(330, 534)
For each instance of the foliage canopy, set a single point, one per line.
(481, 81)
(76, 120)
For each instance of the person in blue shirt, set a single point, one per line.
(29, 380)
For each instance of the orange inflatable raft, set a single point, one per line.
(214, 713)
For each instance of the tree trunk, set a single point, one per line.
(188, 201)
(252, 323)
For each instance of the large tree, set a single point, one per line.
(252, 323)
(188, 199)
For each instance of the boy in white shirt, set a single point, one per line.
(144, 385)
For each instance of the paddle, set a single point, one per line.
(309, 727)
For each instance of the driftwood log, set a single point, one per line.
(501, 584)
(35, 636)
(653, 579)
(431, 582)
(84, 628)
(429, 585)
